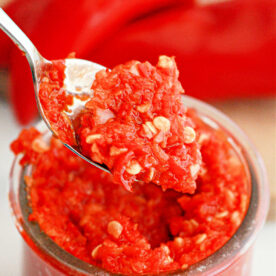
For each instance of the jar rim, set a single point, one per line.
(237, 245)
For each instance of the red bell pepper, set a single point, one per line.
(223, 51)
(22, 13)
(105, 13)
(75, 26)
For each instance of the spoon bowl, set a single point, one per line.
(79, 76)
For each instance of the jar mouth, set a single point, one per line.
(239, 243)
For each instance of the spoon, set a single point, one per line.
(75, 82)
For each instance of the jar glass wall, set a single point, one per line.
(41, 255)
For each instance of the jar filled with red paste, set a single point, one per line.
(76, 221)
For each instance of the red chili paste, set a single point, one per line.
(135, 123)
(148, 231)
(55, 101)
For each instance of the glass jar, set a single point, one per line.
(41, 256)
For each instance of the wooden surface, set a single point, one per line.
(3, 2)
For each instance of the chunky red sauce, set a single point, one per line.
(148, 231)
(55, 100)
(135, 123)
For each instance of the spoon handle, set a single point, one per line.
(20, 39)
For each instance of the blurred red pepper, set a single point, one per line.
(64, 27)
(223, 50)
(22, 13)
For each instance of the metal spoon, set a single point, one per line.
(74, 82)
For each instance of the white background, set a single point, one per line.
(264, 263)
